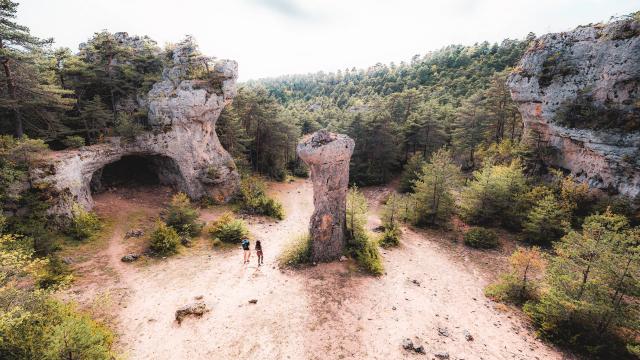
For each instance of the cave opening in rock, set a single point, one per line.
(134, 171)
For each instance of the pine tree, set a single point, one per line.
(523, 280)
(433, 190)
(423, 131)
(26, 93)
(503, 115)
(95, 117)
(469, 128)
(232, 135)
(591, 285)
(411, 173)
(495, 195)
(546, 222)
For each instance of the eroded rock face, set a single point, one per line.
(580, 91)
(328, 156)
(182, 143)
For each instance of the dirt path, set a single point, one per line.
(329, 311)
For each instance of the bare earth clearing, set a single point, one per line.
(329, 311)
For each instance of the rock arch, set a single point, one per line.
(181, 127)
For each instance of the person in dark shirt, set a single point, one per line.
(247, 251)
(259, 252)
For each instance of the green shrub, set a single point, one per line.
(84, 224)
(481, 238)
(546, 222)
(411, 172)
(495, 196)
(33, 325)
(55, 273)
(254, 199)
(590, 298)
(299, 168)
(433, 191)
(522, 282)
(296, 252)
(164, 240)
(366, 253)
(228, 229)
(359, 244)
(390, 237)
(73, 142)
(182, 216)
(127, 127)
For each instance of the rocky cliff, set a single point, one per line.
(180, 140)
(579, 92)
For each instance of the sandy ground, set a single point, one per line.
(329, 311)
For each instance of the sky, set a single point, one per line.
(277, 37)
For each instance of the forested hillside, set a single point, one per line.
(455, 96)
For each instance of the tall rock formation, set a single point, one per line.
(579, 92)
(327, 155)
(180, 142)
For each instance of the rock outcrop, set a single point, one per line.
(328, 156)
(579, 92)
(180, 141)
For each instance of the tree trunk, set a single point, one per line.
(11, 88)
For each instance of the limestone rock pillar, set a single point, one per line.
(328, 156)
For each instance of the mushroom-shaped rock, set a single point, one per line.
(328, 155)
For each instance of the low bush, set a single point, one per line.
(33, 325)
(254, 199)
(164, 240)
(297, 252)
(481, 238)
(74, 141)
(359, 244)
(127, 127)
(522, 282)
(182, 216)
(55, 273)
(390, 237)
(546, 222)
(228, 229)
(495, 196)
(84, 224)
(366, 253)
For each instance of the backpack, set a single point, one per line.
(245, 244)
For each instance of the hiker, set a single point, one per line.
(259, 252)
(247, 251)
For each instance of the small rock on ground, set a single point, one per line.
(442, 355)
(407, 344)
(130, 257)
(253, 301)
(134, 233)
(197, 309)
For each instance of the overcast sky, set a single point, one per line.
(276, 37)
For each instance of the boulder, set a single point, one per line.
(197, 309)
(328, 156)
(579, 95)
(180, 142)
